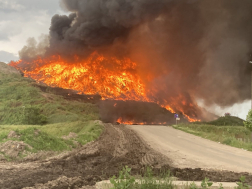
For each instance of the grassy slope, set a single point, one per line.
(18, 98)
(225, 121)
(49, 136)
(227, 130)
(230, 135)
(24, 108)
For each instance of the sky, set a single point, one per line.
(22, 19)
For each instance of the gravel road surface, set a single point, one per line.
(189, 151)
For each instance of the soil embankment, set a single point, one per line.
(117, 146)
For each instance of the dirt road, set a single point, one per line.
(189, 151)
(118, 146)
(96, 161)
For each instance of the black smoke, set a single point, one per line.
(198, 49)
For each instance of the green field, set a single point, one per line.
(236, 136)
(40, 119)
(49, 137)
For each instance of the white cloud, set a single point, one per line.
(6, 56)
(10, 5)
(7, 29)
(28, 18)
(20, 31)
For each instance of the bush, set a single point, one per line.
(248, 122)
(32, 116)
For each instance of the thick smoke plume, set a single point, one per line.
(191, 48)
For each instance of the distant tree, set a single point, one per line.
(248, 122)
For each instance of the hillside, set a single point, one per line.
(227, 121)
(5, 69)
(224, 121)
(23, 103)
(39, 120)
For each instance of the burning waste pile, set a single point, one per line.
(169, 53)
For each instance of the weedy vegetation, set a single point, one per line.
(148, 181)
(236, 136)
(164, 181)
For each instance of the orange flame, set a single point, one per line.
(120, 121)
(107, 76)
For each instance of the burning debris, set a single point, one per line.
(166, 52)
(135, 113)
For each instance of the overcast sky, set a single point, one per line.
(21, 19)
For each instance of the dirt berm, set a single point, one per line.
(117, 146)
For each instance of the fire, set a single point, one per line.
(191, 119)
(109, 77)
(168, 108)
(120, 121)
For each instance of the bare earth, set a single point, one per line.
(118, 146)
(189, 151)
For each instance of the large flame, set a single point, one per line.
(107, 76)
(132, 122)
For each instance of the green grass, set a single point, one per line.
(161, 181)
(148, 181)
(236, 136)
(225, 121)
(87, 131)
(43, 140)
(26, 110)
(23, 104)
(49, 137)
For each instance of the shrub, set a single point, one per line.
(248, 122)
(32, 116)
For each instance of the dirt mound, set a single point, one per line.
(13, 149)
(70, 136)
(68, 93)
(61, 183)
(6, 69)
(2, 158)
(42, 155)
(117, 147)
(13, 134)
(135, 111)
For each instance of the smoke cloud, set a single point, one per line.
(191, 48)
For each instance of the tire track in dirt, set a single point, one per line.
(117, 146)
(121, 146)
